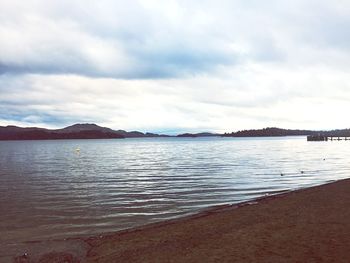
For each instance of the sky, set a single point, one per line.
(175, 65)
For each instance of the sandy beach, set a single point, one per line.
(308, 225)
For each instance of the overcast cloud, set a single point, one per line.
(174, 66)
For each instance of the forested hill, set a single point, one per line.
(76, 131)
(285, 132)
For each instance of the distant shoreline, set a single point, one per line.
(173, 137)
(93, 131)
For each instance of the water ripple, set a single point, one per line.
(48, 190)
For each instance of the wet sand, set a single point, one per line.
(309, 225)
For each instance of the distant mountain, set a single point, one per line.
(84, 127)
(137, 134)
(201, 134)
(186, 135)
(76, 131)
(149, 134)
(93, 131)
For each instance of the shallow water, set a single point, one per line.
(49, 190)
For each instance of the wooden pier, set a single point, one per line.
(327, 138)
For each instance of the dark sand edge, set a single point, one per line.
(84, 248)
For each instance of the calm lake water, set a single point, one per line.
(50, 190)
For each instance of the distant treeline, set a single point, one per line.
(93, 131)
(285, 132)
(268, 132)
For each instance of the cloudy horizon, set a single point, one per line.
(175, 66)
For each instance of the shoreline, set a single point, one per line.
(212, 234)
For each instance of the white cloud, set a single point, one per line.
(183, 65)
